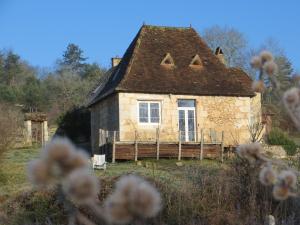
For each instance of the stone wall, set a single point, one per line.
(229, 114)
(104, 115)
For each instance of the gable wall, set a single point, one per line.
(229, 114)
(104, 115)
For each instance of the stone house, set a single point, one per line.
(169, 79)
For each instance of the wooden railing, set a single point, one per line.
(206, 137)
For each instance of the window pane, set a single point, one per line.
(143, 112)
(182, 124)
(154, 112)
(186, 103)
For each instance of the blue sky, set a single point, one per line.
(39, 30)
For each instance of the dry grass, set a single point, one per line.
(206, 192)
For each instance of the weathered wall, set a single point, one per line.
(104, 115)
(229, 114)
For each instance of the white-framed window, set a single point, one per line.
(149, 112)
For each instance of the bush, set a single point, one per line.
(11, 123)
(278, 137)
(76, 125)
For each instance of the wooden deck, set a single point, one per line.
(133, 151)
(114, 149)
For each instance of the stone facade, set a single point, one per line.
(229, 114)
(104, 115)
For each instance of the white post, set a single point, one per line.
(114, 148)
(179, 147)
(201, 144)
(45, 131)
(28, 131)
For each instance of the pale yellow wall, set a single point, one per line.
(229, 114)
(104, 115)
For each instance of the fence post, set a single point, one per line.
(114, 148)
(201, 144)
(157, 143)
(135, 146)
(179, 147)
(100, 137)
(222, 147)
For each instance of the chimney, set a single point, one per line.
(115, 61)
(220, 55)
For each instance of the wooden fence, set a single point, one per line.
(114, 148)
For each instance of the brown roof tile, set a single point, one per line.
(141, 71)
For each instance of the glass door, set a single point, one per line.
(186, 116)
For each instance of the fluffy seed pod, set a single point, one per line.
(288, 178)
(145, 200)
(39, 172)
(78, 159)
(280, 192)
(116, 209)
(81, 187)
(267, 176)
(126, 184)
(266, 56)
(256, 62)
(59, 150)
(258, 86)
(133, 197)
(251, 152)
(291, 96)
(270, 68)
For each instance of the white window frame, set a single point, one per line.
(149, 117)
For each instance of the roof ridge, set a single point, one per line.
(134, 51)
(165, 27)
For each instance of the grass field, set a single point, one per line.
(197, 192)
(13, 178)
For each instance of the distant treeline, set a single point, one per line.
(54, 92)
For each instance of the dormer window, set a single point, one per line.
(196, 62)
(167, 60)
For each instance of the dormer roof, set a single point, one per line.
(141, 70)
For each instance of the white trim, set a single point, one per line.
(148, 111)
(186, 129)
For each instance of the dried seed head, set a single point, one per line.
(251, 152)
(126, 184)
(256, 62)
(267, 176)
(258, 86)
(266, 56)
(116, 209)
(39, 172)
(287, 178)
(280, 192)
(81, 187)
(291, 96)
(59, 150)
(270, 68)
(78, 159)
(145, 200)
(133, 197)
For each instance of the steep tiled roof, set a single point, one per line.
(140, 69)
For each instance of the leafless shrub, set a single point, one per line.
(256, 129)
(10, 126)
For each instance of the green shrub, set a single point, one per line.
(278, 137)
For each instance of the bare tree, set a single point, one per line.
(256, 131)
(232, 42)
